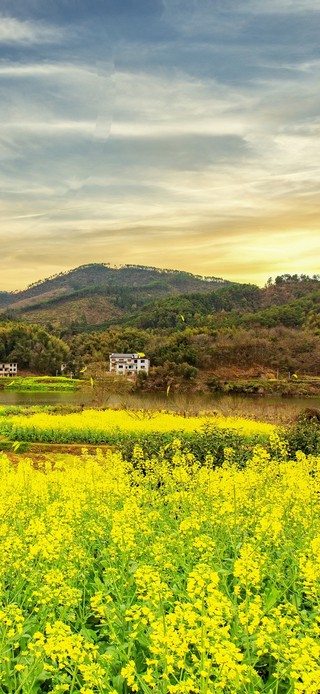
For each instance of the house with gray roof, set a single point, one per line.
(126, 364)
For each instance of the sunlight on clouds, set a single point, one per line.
(174, 99)
(250, 248)
(119, 150)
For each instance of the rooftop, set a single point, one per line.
(123, 355)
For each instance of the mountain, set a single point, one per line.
(97, 293)
(196, 331)
(5, 298)
(97, 296)
(293, 304)
(198, 308)
(286, 288)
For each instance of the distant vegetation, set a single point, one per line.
(99, 294)
(105, 276)
(198, 332)
(219, 335)
(180, 551)
(41, 383)
(32, 348)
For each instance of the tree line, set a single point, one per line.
(239, 326)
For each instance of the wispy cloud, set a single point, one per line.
(195, 131)
(15, 31)
(44, 128)
(281, 6)
(62, 70)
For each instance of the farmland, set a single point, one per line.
(122, 430)
(190, 566)
(94, 426)
(40, 383)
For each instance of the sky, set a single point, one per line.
(179, 134)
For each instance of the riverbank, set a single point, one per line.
(45, 384)
(290, 387)
(203, 383)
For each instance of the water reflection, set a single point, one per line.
(269, 408)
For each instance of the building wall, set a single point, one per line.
(8, 369)
(124, 365)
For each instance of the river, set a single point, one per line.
(266, 408)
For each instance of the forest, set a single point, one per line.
(33, 348)
(196, 338)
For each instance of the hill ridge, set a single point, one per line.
(109, 266)
(128, 286)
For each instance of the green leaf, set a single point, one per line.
(271, 598)
(117, 683)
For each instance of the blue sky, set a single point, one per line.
(174, 133)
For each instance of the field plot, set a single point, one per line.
(95, 426)
(41, 383)
(160, 575)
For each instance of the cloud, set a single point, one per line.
(196, 132)
(14, 31)
(281, 6)
(40, 100)
(62, 70)
(180, 146)
(156, 123)
(55, 128)
(241, 250)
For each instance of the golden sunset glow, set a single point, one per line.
(180, 135)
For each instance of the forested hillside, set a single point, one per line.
(215, 352)
(291, 303)
(32, 348)
(126, 287)
(198, 309)
(99, 294)
(230, 333)
(193, 338)
(230, 307)
(5, 298)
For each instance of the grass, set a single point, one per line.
(41, 383)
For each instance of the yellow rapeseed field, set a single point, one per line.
(95, 426)
(160, 576)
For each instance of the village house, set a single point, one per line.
(8, 369)
(125, 364)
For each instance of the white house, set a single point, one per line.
(125, 364)
(8, 369)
